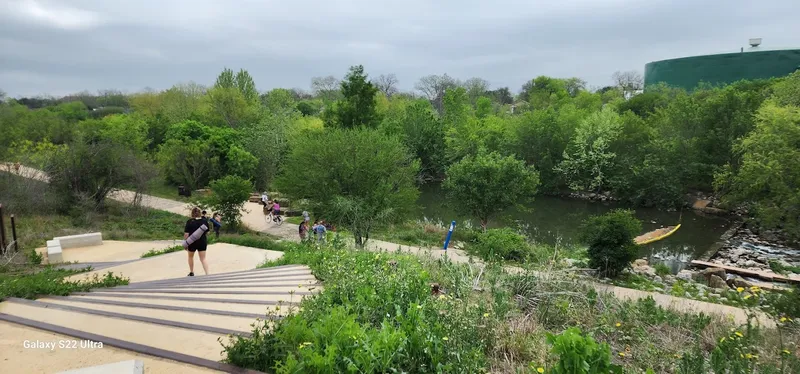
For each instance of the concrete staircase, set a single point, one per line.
(177, 319)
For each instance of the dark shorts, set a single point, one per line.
(198, 247)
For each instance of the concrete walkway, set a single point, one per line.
(253, 218)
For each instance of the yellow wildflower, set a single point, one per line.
(441, 297)
(419, 306)
(739, 289)
(722, 340)
(747, 296)
(622, 354)
(754, 289)
(748, 356)
(540, 370)
(485, 315)
(739, 334)
(618, 324)
(786, 352)
(783, 319)
(445, 338)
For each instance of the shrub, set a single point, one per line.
(579, 353)
(662, 270)
(501, 244)
(228, 197)
(610, 240)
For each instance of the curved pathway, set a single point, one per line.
(253, 218)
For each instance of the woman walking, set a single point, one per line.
(194, 239)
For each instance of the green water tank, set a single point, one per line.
(750, 63)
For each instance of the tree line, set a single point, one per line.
(358, 148)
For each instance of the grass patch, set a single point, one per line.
(158, 252)
(378, 314)
(781, 269)
(255, 240)
(32, 282)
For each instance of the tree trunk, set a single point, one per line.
(357, 237)
(484, 223)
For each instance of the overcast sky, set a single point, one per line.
(66, 46)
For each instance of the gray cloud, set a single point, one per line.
(60, 47)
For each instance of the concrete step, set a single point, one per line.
(227, 298)
(216, 308)
(14, 354)
(297, 278)
(211, 323)
(198, 344)
(310, 282)
(278, 271)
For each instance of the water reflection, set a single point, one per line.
(554, 220)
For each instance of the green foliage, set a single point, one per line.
(487, 184)
(254, 241)
(227, 198)
(778, 267)
(422, 132)
(85, 172)
(357, 106)
(501, 244)
(580, 354)
(358, 179)
(50, 281)
(194, 154)
(588, 159)
(770, 170)
(662, 270)
(158, 252)
(376, 315)
(610, 240)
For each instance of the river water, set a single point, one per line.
(557, 220)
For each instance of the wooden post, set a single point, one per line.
(14, 234)
(2, 231)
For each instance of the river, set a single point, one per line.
(557, 220)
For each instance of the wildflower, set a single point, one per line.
(783, 319)
(739, 289)
(419, 306)
(540, 370)
(485, 315)
(277, 307)
(622, 354)
(618, 324)
(445, 338)
(786, 352)
(748, 356)
(754, 288)
(747, 296)
(739, 334)
(441, 297)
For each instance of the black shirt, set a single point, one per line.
(192, 225)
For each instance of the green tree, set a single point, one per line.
(358, 179)
(610, 240)
(422, 132)
(227, 198)
(769, 175)
(482, 186)
(588, 158)
(357, 107)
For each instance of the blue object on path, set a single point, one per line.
(449, 234)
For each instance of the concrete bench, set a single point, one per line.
(54, 251)
(83, 240)
(122, 367)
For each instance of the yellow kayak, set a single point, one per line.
(656, 235)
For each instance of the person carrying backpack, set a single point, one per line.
(276, 213)
(216, 222)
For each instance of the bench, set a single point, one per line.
(83, 240)
(53, 251)
(122, 367)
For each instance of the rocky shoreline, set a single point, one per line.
(753, 250)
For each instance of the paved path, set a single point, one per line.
(253, 218)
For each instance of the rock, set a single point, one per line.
(658, 279)
(740, 263)
(685, 275)
(714, 281)
(714, 295)
(647, 270)
(640, 262)
(750, 263)
(734, 258)
(719, 272)
(571, 262)
(669, 279)
(739, 282)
